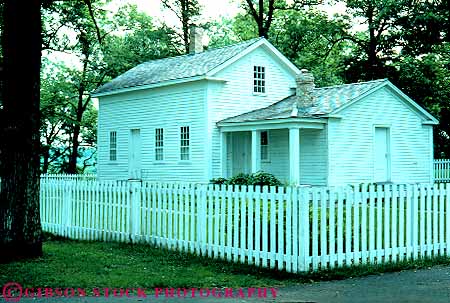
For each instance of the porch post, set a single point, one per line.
(224, 147)
(256, 151)
(294, 155)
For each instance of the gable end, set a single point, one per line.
(411, 104)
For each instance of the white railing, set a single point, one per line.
(442, 170)
(69, 176)
(297, 229)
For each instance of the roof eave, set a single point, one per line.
(157, 85)
(272, 121)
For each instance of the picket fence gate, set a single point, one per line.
(295, 229)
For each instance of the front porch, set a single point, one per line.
(294, 151)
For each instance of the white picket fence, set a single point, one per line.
(296, 229)
(442, 170)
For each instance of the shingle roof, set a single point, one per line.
(180, 67)
(327, 100)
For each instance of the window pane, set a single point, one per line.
(184, 143)
(259, 76)
(159, 144)
(264, 145)
(264, 138)
(113, 146)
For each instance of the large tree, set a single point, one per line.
(263, 11)
(186, 11)
(20, 228)
(376, 45)
(87, 20)
(68, 128)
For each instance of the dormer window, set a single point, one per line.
(259, 79)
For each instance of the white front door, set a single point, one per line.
(134, 160)
(241, 145)
(382, 155)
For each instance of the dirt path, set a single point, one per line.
(427, 285)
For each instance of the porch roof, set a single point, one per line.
(327, 100)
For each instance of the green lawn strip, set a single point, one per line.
(95, 264)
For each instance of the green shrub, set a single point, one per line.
(263, 178)
(218, 181)
(259, 178)
(240, 179)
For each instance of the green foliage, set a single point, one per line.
(218, 181)
(104, 46)
(139, 42)
(313, 41)
(262, 178)
(259, 178)
(59, 100)
(240, 179)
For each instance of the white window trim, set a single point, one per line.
(189, 146)
(110, 146)
(265, 80)
(159, 147)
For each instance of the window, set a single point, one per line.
(159, 144)
(259, 79)
(184, 143)
(113, 146)
(264, 146)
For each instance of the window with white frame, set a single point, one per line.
(184, 143)
(259, 79)
(264, 146)
(113, 146)
(159, 144)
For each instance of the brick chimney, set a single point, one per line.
(195, 39)
(305, 88)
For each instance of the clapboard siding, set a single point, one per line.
(235, 96)
(313, 157)
(168, 108)
(351, 141)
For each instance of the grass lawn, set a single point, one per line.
(96, 264)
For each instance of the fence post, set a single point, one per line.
(135, 213)
(67, 202)
(201, 218)
(303, 238)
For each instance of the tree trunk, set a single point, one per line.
(46, 158)
(20, 228)
(372, 61)
(185, 19)
(72, 168)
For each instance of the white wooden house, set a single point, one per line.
(246, 108)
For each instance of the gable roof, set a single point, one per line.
(185, 67)
(328, 100)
